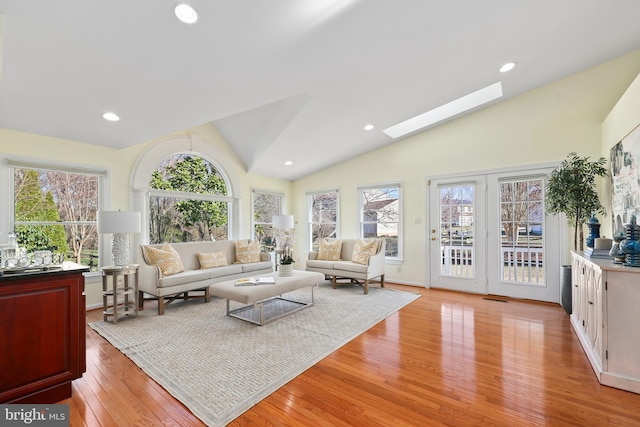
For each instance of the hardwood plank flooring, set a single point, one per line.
(447, 359)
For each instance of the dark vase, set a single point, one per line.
(594, 231)
(565, 288)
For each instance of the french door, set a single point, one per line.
(457, 234)
(489, 234)
(524, 244)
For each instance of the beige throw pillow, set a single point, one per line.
(212, 259)
(166, 258)
(247, 253)
(330, 249)
(363, 249)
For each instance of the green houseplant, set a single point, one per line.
(571, 190)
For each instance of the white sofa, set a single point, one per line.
(151, 280)
(345, 268)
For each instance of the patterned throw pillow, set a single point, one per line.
(212, 259)
(166, 258)
(247, 253)
(363, 249)
(330, 249)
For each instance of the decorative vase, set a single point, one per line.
(594, 230)
(285, 270)
(616, 252)
(565, 288)
(630, 246)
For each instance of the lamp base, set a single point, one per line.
(120, 249)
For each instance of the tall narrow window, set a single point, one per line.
(380, 216)
(265, 206)
(188, 201)
(56, 210)
(323, 217)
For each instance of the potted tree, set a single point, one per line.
(571, 191)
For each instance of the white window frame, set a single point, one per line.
(310, 221)
(7, 212)
(183, 195)
(150, 158)
(360, 212)
(255, 192)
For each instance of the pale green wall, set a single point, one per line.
(622, 119)
(120, 164)
(540, 126)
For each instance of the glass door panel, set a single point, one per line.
(457, 259)
(524, 245)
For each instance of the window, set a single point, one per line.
(323, 217)
(457, 245)
(521, 225)
(188, 201)
(55, 209)
(265, 206)
(379, 216)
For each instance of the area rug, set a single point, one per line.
(219, 367)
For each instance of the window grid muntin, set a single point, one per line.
(457, 229)
(263, 222)
(522, 231)
(385, 198)
(221, 198)
(323, 214)
(82, 239)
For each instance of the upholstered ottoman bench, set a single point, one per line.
(264, 303)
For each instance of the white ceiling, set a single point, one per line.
(284, 79)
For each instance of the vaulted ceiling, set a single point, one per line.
(284, 80)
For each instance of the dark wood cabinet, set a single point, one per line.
(42, 335)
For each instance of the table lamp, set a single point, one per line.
(119, 224)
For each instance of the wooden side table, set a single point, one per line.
(120, 298)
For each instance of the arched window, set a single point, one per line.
(188, 201)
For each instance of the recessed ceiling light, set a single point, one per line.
(448, 110)
(186, 13)
(507, 67)
(288, 163)
(112, 117)
(368, 126)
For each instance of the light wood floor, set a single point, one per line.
(446, 359)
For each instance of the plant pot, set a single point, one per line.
(285, 270)
(565, 288)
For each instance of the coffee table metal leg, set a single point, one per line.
(260, 306)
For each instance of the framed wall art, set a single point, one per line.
(625, 180)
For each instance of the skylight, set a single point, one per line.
(448, 110)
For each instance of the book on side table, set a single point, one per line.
(252, 281)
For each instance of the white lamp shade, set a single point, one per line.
(119, 222)
(283, 222)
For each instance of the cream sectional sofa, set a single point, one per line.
(346, 268)
(166, 288)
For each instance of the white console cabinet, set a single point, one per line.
(606, 318)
